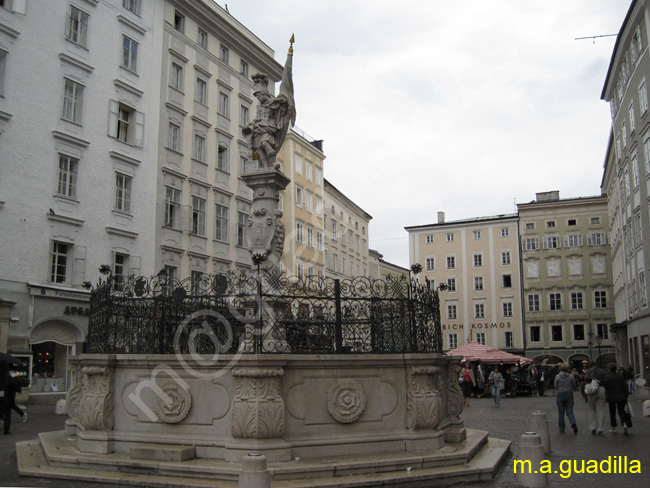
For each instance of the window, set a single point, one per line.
(505, 258)
(201, 91)
(594, 220)
(429, 239)
(506, 281)
(243, 165)
(576, 300)
(530, 244)
(530, 226)
(243, 68)
(600, 299)
(509, 338)
(299, 197)
(550, 224)
(174, 137)
(299, 165)
(179, 21)
(129, 54)
(453, 340)
(222, 158)
(198, 216)
(334, 227)
(643, 290)
(221, 223)
(242, 223)
(596, 239)
(635, 172)
(319, 206)
(172, 207)
(299, 232)
(224, 54)
(344, 262)
(120, 267)
(480, 338)
(309, 201)
(319, 240)
(578, 332)
(624, 134)
(571, 222)
(535, 333)
(631, 116)
(643, 98)
(479, 310)
(342, 235)
(533, 302)
(77, 26)
(59, 262)
(555, 301)
(603, 331)
(556, 333)
(131, 5)
(126, 124)
(335, 261)
(199, 148)
(450, 237)
(122, 192)
(451, 284)
(573, 240)
(476, 234)
(452, 311)
(551, 242)
(478, 260)
(451, 262)
(319, 175)
(478, 283)
(3, 65)
(243, 115)
(68, 167)
(310, 236)
(309, 170)
(505, 232)
(72, 101)
(507, 309)
(430, 264)
(224, 102)
(202, 38)
(176, 78)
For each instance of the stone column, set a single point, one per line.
(96, 409)
(258, 414)
(424, 409)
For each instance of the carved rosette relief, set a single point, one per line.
(454, 393)
(424, 408)
(258, 408)
(346, 401)
(175, 406)
(96, 403)
(73, 398)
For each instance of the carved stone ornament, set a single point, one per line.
(454, 392)
(258, 408)
(96, 403)
(346, 401)
(175, 406)
(424, 409)
(73, 398)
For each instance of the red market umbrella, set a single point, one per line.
(473, 351)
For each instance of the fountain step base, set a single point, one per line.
(477, 458)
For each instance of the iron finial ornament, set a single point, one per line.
(292, 40)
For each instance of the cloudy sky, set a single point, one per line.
(433, 105)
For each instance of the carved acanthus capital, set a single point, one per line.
(96, 402)
(424, 409)
(258, 408)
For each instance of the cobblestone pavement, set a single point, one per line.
(513, 418)
(508, 421)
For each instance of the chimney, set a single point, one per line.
(441, 217)
(548, 196)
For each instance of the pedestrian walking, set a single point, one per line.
(497, 381)
(10, 385)
(596, 401)
(616, 392)
(468, 382)
(565, 385)
(539, 380)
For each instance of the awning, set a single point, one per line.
(473, 351)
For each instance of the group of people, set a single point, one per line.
(9, 386)
(469, 382)
(610, 387)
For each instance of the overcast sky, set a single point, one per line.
(433, 105)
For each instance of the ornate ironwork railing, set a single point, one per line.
(257, 312)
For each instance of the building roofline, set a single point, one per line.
(492, 218)
(347, 200)
(562, 201)
(610, 142)
(618, 40)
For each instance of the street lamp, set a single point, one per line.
(599, 340)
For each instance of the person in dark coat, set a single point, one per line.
(10, 384)
(616, 393)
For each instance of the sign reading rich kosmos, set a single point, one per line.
(479, 325)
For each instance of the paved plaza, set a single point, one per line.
(508, 421)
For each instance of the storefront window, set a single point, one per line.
(49, 369)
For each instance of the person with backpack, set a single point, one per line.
(9, 385)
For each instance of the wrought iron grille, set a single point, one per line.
(257, 312)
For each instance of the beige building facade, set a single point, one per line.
(567, 278)
(477, 260)
(347, 233)
(626, 182)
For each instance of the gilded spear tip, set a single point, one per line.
(292, 40)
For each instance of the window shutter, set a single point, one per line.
(135, 265)
(112, 118)
(139, 129)
(79, 270)
(20, 6)
(80, 102)
(186, 218)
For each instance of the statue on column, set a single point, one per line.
(274, 116)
